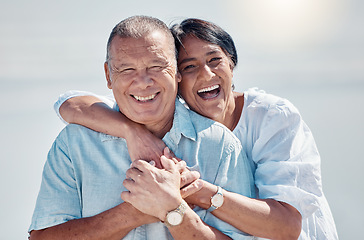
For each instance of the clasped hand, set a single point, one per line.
(155, 191)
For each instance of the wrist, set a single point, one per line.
(202, 198)
(169, 206)
(139, 217)
(217, 200)
(175, 217)
(132, 131)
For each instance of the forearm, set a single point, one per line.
(114, 223)
(280, 220)
(91, 112)
(192, 227)
(259, 217)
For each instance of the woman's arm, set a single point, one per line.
(266, 218)
(91, 112)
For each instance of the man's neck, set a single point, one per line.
(160, 129)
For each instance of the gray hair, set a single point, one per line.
(137, 27)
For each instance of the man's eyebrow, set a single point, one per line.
(192, 59)
(160, 61)
(118, 67)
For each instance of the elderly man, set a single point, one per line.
(83, 176)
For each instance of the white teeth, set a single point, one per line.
(139, 98)
(208, 89)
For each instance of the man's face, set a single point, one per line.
(142, 74)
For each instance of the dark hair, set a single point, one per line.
(137, 27)
(205, 31)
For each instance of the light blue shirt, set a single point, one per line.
(84, 172)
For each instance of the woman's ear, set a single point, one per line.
(178, 76)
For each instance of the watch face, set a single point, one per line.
(217, 200)
(174, 218)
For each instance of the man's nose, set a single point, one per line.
(143, 79)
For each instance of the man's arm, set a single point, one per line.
(59, 203)
(91, 112)
(114, 223)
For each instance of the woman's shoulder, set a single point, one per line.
(255, 99)
(263, 110)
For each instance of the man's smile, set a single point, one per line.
(145, 98)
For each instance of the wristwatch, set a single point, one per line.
(217, 200)
(175, 217)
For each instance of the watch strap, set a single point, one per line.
(212, 207)
(181, 209)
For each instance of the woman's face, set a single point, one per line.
(206, 78)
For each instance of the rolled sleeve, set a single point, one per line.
(288, 163)
(108, 100)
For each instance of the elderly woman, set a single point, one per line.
(279, 145)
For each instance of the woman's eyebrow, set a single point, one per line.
(211, 52)
(187, 60)
(192, 58)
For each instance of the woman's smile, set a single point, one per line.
(210, 92)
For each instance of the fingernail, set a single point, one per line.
(152, 163)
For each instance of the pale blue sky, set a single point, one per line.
(309, 51)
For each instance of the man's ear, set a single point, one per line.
(107, 75)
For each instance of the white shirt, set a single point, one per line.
(285, 159)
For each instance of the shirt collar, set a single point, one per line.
(182, 125)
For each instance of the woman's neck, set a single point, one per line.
(230, 118)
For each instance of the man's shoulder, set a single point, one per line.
(75, 129)
(76, 138)
(76, 132)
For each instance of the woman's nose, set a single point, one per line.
(206, 73)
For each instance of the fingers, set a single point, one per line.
(191, 188)
(167, 152)
(142, 165)
(133, 174)
(170, 155)
(168, 164)
(137, 171)
(125, 196)
(188, 177)
(181, 166)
